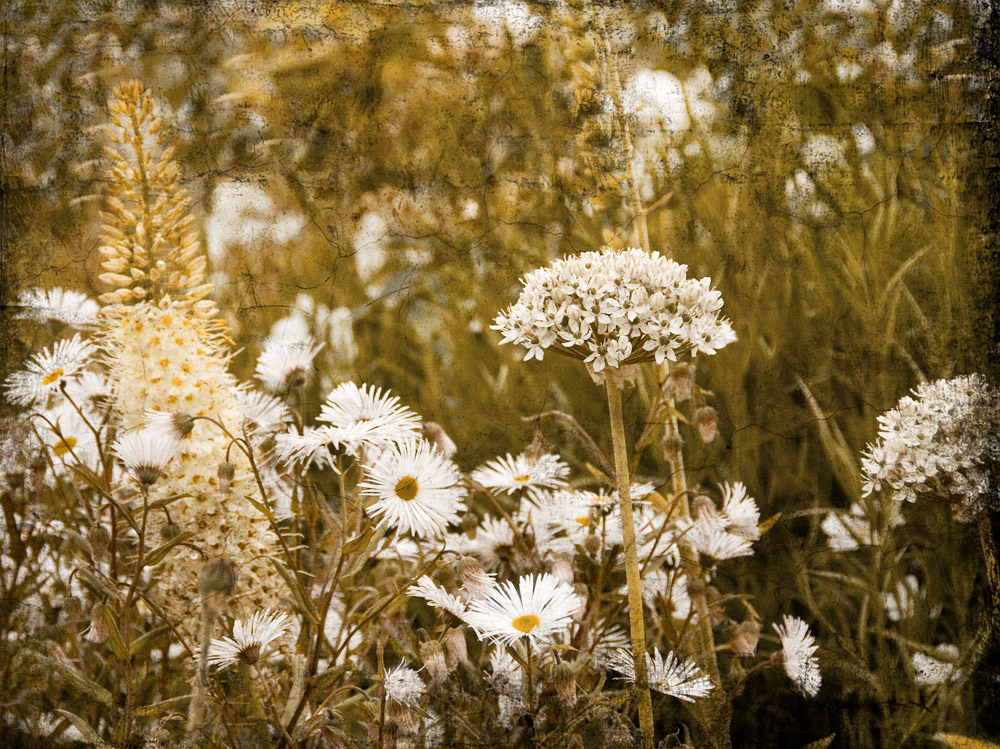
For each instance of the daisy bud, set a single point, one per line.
(469, 524)
(217, 576)
(174, 426)
(592, 545)
(99, 539)
(562, 569)
(440, 441)
(98, 631)
(565, 684)
(706, 419)
(432, 655)
(170, 530)
(681, 378)
(226, 472)
(457, 647)
(744, 639)
(474, 579)
(672, 446)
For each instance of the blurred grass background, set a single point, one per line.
(827, 164)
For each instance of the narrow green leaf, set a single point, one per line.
(114, 634)
(297, 592)
(160, 552)
(89, 734)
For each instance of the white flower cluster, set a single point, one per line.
(613, 308)
(937, 442)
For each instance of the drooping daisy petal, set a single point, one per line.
(436, 596)
(249, 640)
(671, 675)
(146, 452)
(537, 608)
(286, 364)
(386, 420)
(44, 373)
(57, 305)
(416, 489)
(797, 648)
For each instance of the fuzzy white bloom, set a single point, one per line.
(416, 489)
(437, 596)
(387, 421)
(714, 541)
(671, 675)
(847, 530)
(404, 685)
(262, 414)
(45, 372)
(250, 639)
(57, 305)
(537, 608)
(146, 452)
(930, 672)
(740, 510)
(937, 442)
(533, 474)
(798, 648)
(284, 364)
(614, 308)
(318, 445)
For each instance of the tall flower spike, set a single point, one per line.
(150, 248)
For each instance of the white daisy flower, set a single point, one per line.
(538, 607)
(57, 305)
(403, 685)
(386, 420)
(436, 596)
(146, 453)
(249, 640)
(532, 474)
(671, 675)
(494, 542)
(714, 542)
(797, 649)
(263, 414)
(416, 489)
(286, 364)
(45, 372)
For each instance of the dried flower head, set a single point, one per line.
(250, 639)
(537, 608)
(797, 649)
(404, 685)
(614, 308)
(671, 675)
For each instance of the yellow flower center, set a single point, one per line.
(406, 488)
(522, 479)
(525, 623)
(64, 445)
(52, 376)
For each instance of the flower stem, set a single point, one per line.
(631, 564)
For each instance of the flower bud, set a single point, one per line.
(592, 545)
(217, 576)
(99, 539)
(469, 524)
(98, 631)
(565, 684)
(475, 581)
(457, 647)
(439, 439)
(672, 446)
(432, 654)
(170, 530)
(226, 472)
(744, 639)
(562, 569)
(680, 379)
(706, 419)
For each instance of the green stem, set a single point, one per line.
(636, 624)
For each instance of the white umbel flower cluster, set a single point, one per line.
(797, 653)
(937, 442)
(613, 308)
